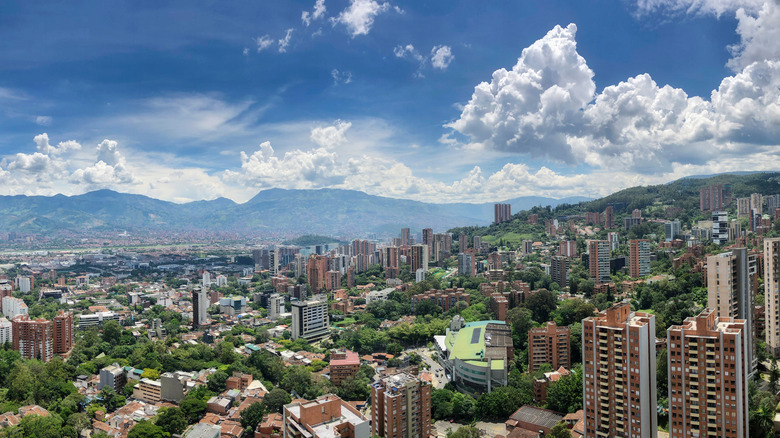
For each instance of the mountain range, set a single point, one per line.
(277, 211)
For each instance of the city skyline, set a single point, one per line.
(467, 103)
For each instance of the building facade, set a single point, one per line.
(33, 338)
(549, 344)
(708, 377)
(639, 258)
(731, 294)
(401, 407)
(772, 294)
(619, 374)
(310, 319)
(598, 261)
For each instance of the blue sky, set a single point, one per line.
(429, 100)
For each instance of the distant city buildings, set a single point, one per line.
(720, 227)
(711, 198)
(502, 213)
(772, 294)
(325, 417)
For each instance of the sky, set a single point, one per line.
(437, 101)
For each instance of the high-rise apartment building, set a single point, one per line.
(527, 247)
(614, 241)
(13, 307)
(619, 374)
(112, 376)
(598, 260)
(401, 407)
(639, 258)
(466, 264)
(33, 338)
(730, 292)
(316, 268)
(772, 294)
(419, 258)
(559, 270)
(711, 198)
(609, 217)
(720, 227)
(757, 202)
(442, 246)
(550, 345)
(310, 319)
(502, 213)
(671, 230)
(427, 239)
(743, 207)
(405, 237)
(276, 306)
(568, 248)
(63, 332)
(6, 332)
(708, 377)
(332, 280)
(772, 204)
(463, 242)
(200, 307)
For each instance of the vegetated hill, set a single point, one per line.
(309, 240)
(323, 211)
(652, 200)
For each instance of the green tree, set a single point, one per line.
(193, 408)
(662, 373)
(171, 420)
(112, 332)
(217, 381)
(275, 399)
(297, 379)
(565, 395)
(110, 399)
(560, 430)
(146, 429)
(465, 432)
(252, 416)
(542, 303)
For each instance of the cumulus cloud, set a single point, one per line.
(759, 35)
(546, 106)
(263, 42)
(531, 108)
(318, 12)
(408, 50)
(716, 7)
(441, 57)
(42, 143)
(110, 168)
(331, 136)
(359, 16)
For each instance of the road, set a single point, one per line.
(439, 378)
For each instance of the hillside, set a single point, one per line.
(652, 200)
(278, 211)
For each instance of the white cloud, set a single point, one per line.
(245, 52)
(759, 36)
(359, 16)
(109, 170)
(43, 120)
(441, 57)
(284, 42)
(42, 144)
(331, 136)
(547, 107)
(263, 42)
(340, 77)
(531, 108)
(715, 7)
(408, 50)
(316, 14)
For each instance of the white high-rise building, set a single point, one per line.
(671, 229)
(275, 306)
(13, 307)
(614, 241)
(720, 227)
(24, 284)
(310, 319)
(6, 331)
(206, 279)
(772, 294)
(221, 281)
